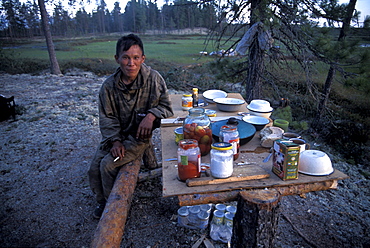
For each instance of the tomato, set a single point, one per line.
(205, 140)
(200, 131)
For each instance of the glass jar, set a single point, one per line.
(197, 126)
(221, 160)
(230, 134)
(203, 218)
(186, 101)
(182, 216)
(188, 158)
(193, 215)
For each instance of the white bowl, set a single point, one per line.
(258, 105)
(209, 95)
(257, 121)
(315, 163)
(229, 104)
(262, 114)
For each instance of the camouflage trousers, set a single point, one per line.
(103, 170)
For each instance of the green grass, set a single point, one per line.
(181, 50)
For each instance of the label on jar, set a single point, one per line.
(235, 144)
(184, 160)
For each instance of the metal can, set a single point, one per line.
(188, 158)
(179, 135)
(187, 101)
(230, 134)
(222, 160)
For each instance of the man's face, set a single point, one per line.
(130, 62)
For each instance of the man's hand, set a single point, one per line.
(145, 128)
(118, 150)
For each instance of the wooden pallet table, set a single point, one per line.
(256, 188)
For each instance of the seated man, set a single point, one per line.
(131, 103)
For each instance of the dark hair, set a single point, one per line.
(125, 42)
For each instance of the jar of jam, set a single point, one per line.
(222, 161)
(230, 134)
(197, 125)
(188, 158)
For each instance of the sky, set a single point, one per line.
(361, 5)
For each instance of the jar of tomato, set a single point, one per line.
(197, 125)
(188, 158)
(230, 134)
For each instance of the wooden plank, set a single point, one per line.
(240, 173)
(232, 195)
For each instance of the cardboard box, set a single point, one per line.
(285, 159)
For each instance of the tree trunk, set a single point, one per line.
(49, 41)
(256, 221)
(329, 78)
(255, 56)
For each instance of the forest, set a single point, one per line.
(23, 19)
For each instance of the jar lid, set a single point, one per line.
(183, 211)
(218, 214)
(222, 146)
(187, 95)
(203, 215)
(221, 207)
(194, 209)
(231, 209)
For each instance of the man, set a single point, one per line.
(131, 103)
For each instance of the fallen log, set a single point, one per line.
(112, 223)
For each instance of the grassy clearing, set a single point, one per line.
(179, 49)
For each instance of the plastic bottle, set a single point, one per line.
(195, 97)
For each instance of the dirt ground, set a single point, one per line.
(47, 202)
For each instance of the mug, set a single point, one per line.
(289, 136)
(283, 124)
(303, 145)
